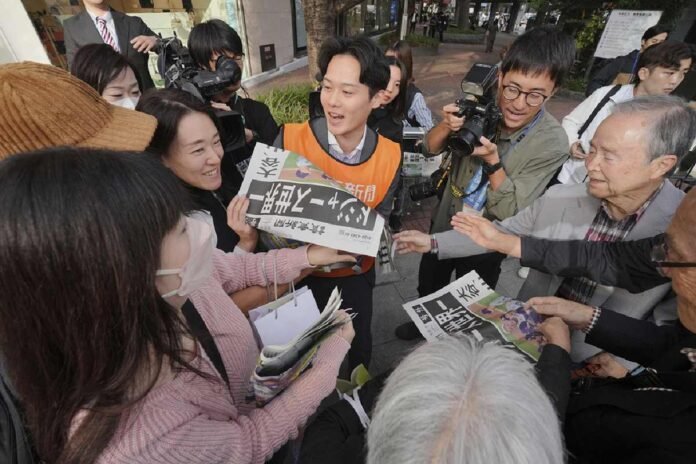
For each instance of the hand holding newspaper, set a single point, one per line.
(469, 306)
(279, 365)
(289, 197)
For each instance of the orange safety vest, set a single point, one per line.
(369, 181)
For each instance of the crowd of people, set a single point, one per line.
(129, 267)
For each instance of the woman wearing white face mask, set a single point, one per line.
(109, 73)
(94, 328)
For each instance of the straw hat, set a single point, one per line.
(42, 106)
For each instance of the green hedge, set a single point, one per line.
(289, 103)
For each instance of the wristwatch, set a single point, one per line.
(491, 168)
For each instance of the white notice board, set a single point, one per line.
(623, 32)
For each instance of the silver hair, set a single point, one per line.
(672, 124)
(457, 401)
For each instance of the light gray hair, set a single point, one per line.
(457, 401)
(672, 124)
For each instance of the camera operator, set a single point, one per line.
(504, 175)
(207, 42)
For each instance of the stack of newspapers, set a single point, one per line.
(279, 365)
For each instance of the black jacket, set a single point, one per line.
(621, 264)
(80, 30)
(618, 421)
(608, 72)
(257, 118)
(216, 203)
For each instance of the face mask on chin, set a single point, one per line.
(128, 103)
(199, 266)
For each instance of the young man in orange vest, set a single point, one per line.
(354, 75)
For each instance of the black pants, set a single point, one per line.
(356, 292)
(433, 274)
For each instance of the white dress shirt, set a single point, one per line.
(336, 151)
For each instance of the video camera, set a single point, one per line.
(179, 71)
(482, 116)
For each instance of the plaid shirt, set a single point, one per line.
(602, 229)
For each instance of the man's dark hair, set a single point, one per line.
(667, 54)
(374, 70)
(655, 30)
(543, 50)
(214, 36)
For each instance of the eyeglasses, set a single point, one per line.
(659, 257)
(510, 92)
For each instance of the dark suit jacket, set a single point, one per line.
(80, 30)
(615, 422)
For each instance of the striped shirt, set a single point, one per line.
(420, 112)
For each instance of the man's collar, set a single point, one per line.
(107, 16)
(522, 132)
(333, 143)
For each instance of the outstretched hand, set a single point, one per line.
(485, 234)
(412, 241)
(318, 255)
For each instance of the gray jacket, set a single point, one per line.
(566, 212)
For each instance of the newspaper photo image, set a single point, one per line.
(289, 197)
(469, 306)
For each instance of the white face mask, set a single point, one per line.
(128, 103)
(199, 266)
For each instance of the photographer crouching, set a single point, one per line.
(502, 158)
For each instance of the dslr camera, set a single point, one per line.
(479, 109)
(482, 116)
(179, 71)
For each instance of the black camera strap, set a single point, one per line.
(200, 331)
(596, 109)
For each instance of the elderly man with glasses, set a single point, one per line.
(647, 415)
(627, 198)
(506, 174)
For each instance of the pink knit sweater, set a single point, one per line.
(193, 420)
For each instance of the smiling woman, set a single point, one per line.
(187, 141)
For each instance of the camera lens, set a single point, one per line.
(468, 137)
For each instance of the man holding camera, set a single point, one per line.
(504, 175)
(207, 43)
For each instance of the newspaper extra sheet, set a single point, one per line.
(469, 306)
(292, 198)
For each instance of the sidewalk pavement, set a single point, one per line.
(439, 79)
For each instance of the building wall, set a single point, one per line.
(268, 22)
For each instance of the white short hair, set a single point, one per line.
(457, 401)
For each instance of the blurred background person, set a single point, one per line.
(128, 35)
(109, 73)
(625, 65)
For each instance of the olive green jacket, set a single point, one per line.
(529, 164)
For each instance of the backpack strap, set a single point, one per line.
(599, 106)
(205, 338)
